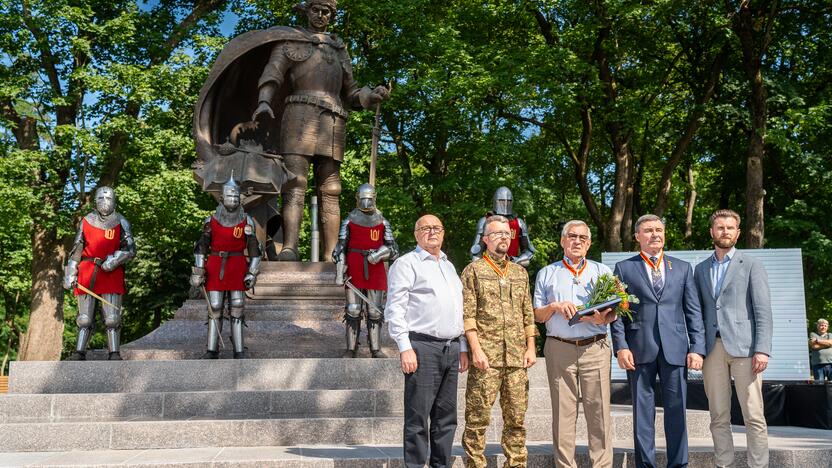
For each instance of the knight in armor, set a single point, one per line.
(103, 244)
(226, 262)
(309, 76)
(520, 250)
(365, 242)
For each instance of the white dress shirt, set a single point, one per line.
(424, 295)
(555, 283)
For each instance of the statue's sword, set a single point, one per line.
(374, 146)
(362, 296)
(103, 301)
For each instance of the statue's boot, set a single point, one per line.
(374, 337)
(353, 328)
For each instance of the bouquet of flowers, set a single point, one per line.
(609, 287)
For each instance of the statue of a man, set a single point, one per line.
(103, 244)
(226, 261)
(365, 242)
(520, 249)
(316, 68)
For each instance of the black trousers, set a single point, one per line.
(430, 404)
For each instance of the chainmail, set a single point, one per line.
(367, 220)
(95, 219)
(229, 218)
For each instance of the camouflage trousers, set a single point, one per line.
(483, 385)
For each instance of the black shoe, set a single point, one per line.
(114, 356)
(240, 355)
(349, 353)
(211, 355)
(77, 356)
(378, 354)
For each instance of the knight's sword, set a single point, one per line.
(362, 296)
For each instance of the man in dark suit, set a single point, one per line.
(736, 302)
(664, 338)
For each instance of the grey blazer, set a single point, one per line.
(741, 310)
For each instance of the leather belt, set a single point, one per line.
(364, 254)
(583, 342)
(415, 336)
(224, 255)
(322, 102)
(98, 262)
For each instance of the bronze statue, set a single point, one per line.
(296, 85)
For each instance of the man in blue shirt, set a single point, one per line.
(576, 356)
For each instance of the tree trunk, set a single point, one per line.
(690, 202)
(43, 339)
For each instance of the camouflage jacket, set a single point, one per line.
(501, 313)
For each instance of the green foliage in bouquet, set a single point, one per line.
(606, 288)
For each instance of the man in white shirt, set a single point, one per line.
(424, 316)
(576, 356)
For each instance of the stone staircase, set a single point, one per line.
(258, 412)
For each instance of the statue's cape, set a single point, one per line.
(229, 97)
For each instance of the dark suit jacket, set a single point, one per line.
(741, 310)
(671, 321)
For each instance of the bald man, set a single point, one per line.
(424, 316)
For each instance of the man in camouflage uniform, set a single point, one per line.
(499, 326)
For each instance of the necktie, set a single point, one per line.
(658, 282)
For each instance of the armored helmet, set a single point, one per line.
(503, 201)
(105, 201)
(365, 198)
(231, 193)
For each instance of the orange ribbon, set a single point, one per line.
(500, 272)
(575, 273)
(653, 266)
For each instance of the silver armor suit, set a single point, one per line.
(365, 215)
(502, 205)
(103, 217)
(229, 213)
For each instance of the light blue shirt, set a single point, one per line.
(718, 270)
(555, 283)
(424, 295)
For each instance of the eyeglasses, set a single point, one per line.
(582, 237)
(498, 234)
(428, 229)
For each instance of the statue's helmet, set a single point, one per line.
(231, 193)
(105, 201)
(503, 201)
(365, 198)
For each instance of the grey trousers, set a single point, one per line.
(430, 404)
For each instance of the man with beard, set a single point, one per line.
(103, 244)
(310, 71)
(499, 326)
(733, 289)
(365, 242)
(220, 264)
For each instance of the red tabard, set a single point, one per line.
(514, 245)
(226, 239)
(100, 243)
(365, 238)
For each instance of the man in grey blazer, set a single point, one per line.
(734, 294)
(663, 339)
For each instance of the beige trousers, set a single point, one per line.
(569, 368)
(717, 372)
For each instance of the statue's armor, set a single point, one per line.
(227, 238)
(364, 238)
(317, 69)
(102, 245)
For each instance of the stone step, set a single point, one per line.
(789, 454)
(269, 339)
(246, 404)
(215, 375)
(249, 432)
(290, 310)
(296, 280)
